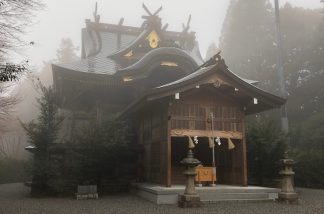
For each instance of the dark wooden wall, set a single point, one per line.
(152, 133)
(194, 112)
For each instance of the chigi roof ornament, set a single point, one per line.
(189, 37)
(151, 18)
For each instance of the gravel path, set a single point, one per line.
(14, 199)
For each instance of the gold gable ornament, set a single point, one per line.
(169, 63)
(153, 39)
(129, 54)
(127, 79)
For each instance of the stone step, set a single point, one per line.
(213, 197)
(169, 195)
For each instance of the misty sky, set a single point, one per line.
(65, 18)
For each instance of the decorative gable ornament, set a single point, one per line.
(153, 39)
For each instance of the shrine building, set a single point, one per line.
(157, 79)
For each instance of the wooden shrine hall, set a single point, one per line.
(158, 80)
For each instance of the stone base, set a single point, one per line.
(170, 195)
(188, 201)
(86, 196)
(288, 197)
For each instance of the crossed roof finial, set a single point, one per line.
(149, 12)
(186, 27)
(151, 19)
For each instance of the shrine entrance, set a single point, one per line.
(229, 167)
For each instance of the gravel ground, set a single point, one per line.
(14, 199)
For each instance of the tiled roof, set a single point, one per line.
(200, 72)
(188, 77)
(99, 63)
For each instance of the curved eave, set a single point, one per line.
(222, 70)
(164, 53)
(63, 71)
(254, 91)
(198, 77)
(77, 76)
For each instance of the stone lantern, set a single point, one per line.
(287, 193)
(190, 197)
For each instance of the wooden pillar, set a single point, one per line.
(244, 159)
(168, 152)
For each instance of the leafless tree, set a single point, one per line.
(10, 147)
(15, 16)
(7, 104)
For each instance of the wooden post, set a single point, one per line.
(168, 174)
(244, 160)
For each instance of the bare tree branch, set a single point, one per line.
(7, 104)
(15, 16)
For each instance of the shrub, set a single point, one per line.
(14, 170)
(309, 168)
(266, 144)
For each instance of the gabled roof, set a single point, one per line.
(215, 66)
(104, 44)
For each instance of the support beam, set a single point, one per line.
(206, 133)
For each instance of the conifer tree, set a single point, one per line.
(42, 134)
(67, 51)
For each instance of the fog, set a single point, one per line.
(62, 19)
(144, 104)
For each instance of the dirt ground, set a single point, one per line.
(14, 199)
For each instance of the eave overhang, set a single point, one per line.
(200, 76)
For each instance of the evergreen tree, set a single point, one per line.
(249, 48)
(266, 145)
(106, 147)
(67, 51)
(211, 51)
(247, 38)
(42, 134)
